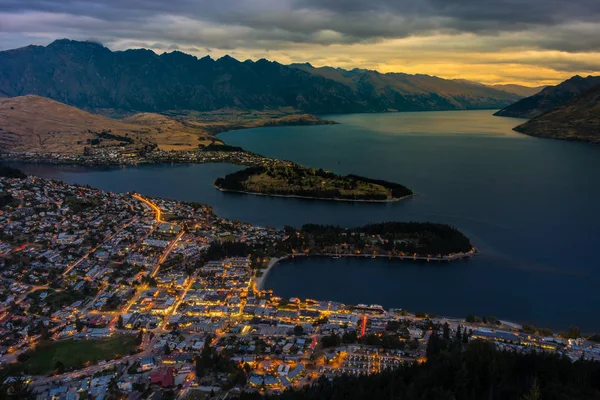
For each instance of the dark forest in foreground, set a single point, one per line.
(479, 372)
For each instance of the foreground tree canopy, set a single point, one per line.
(479, 372)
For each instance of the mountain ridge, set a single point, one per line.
(90, 76)
(413, 91)
(550, 97)
(577, 119)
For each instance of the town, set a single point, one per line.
(120, 155)
(106, 294)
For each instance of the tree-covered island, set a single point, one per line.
(297, 181)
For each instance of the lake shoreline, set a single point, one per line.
(260, 281)
(292, 196)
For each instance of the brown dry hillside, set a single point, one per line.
(38, 124)
(578, 119)
(171, 134)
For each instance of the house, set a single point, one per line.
(165, 378)
(147, 363)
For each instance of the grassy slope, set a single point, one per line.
(34, 123)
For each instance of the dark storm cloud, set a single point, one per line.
(498, 12)
(566, 25)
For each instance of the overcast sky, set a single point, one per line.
(532, 42)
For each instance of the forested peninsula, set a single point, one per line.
(393, 239)
(292, 180)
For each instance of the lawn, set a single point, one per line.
(76, 353)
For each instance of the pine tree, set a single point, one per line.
(59, 367)
(446, 334)
(78, 324)
(534, 392)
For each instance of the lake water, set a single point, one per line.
(529, 205)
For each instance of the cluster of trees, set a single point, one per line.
(10, 172)
(219, 251)
(389, 342)
(235, 181)
(386, 341)
(210, 362)
(108, 135)
(79, 205)
(223, 147)
(397, 189)
(454, 370)
(306, 182)
(58, 299)
(572, 333)
(5, 199)
(484, 320)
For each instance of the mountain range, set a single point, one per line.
(90, 76)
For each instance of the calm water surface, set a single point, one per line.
(530, 206)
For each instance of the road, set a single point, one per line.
(178, 303)
(70, 268)
(160, 259)
(156, 209)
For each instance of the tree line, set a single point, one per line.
(456, 371)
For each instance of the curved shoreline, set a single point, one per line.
(260, 281)
(293, 196)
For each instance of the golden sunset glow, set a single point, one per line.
(529, 42)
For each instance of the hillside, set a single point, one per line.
(405, 92)
(41, 125)
(37, 124)
(550, 97)
(579, 119)
(90, 76)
